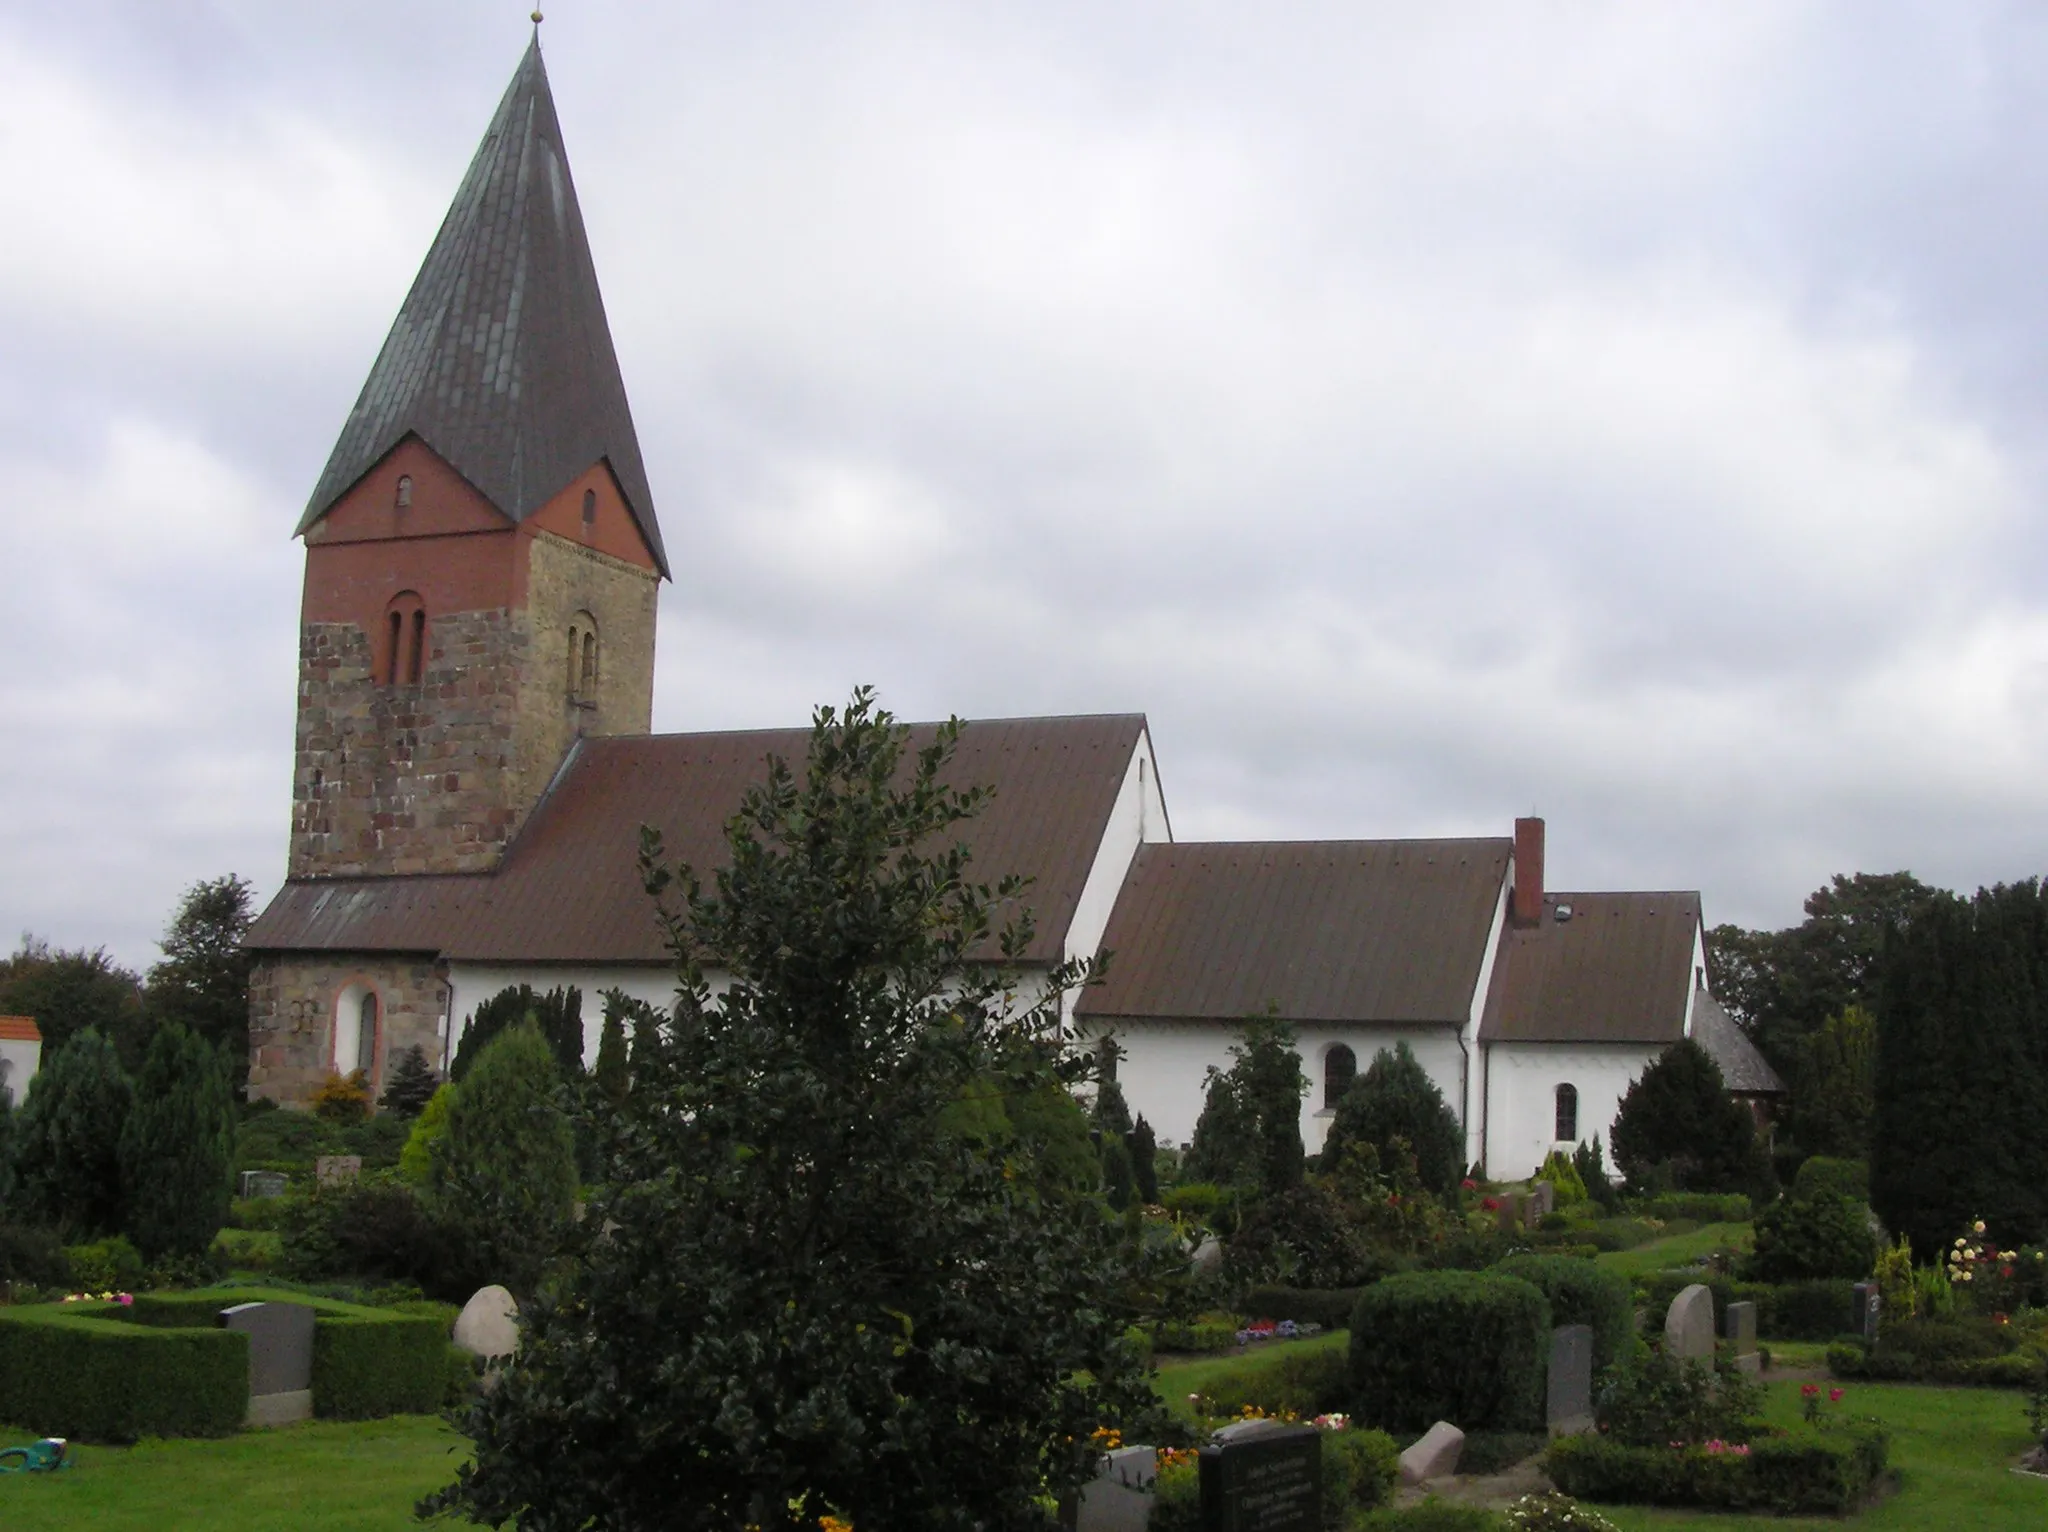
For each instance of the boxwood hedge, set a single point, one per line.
(1804, 1311)
(1580, 1293)
(1829, 1471)
(1470, 1347)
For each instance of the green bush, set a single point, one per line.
(266, 1213)
(1395, 1099)
(1822, 1234)
(88, 1372)
(1807, 1311)
(176, 1145)
(32, 1256)
(1580, 1293)
(1432, 1515)
(1961, 1349)
(1304, 1232)
(1703, 1207)
(1826, 1471)
(1202, 1202)
(1306, 1382)
(249, 1249)
(1563, 1177)
(1487, 1452)
(1467, 1347)
(1622, 1234)
(1329, 1307)
(1359, 1471)
(1194, 1335)
(367, 1364)
(106, 1265)
(1654, 1398)
(1835, 1177)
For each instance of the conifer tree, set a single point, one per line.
(613, 1074)
(1249, 1133)
(68, 1136)
(558, 1015)
(412, 1085)
(505, 1178)
(1679, 1115)
(1224, 1149)
(1396, 1099)
(1144, 1149)
(176, 1146)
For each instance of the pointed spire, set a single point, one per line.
(501, 360)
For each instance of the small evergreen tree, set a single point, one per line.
(1273, 1088)
(1224, 1149)
(68, 1138)
(1396, 1099)
(1590, 1161)
(1679, 1116)
(614, 1075)
(412, 1085)
(176, 1146)
(1834, 1086)
(429, 1129)
(558, 1015)
(505, 1179)
(1144, 1149)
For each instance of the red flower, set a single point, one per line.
(1809, 1391)
(1469, 1184)
(1490, 1204)
(1834, 1396)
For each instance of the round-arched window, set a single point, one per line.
(356, 1018)
(1567, 1115)
(1340, 1068)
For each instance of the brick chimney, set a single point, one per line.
(1526, 907)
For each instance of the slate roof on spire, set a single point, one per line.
(500, 359)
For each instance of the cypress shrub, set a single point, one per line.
(1824, 1234)
(1470, 1347)
(176, 1146)
(1678, 1117)
(1580, 1293)
(84, 1371)
(505, 1179)
(558, 1014)
(67, 1138)
(1395, 1098)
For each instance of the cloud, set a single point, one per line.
(1424, 417)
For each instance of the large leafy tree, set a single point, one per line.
(67, 1138)
(177, 1144)
(1395, 1099)
(67, 992)
(811, 1279)
(1678, 1118)
(504, 1179)
(202, 984)
(1961, 1120)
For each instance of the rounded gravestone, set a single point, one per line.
(1689, 1325)
(488, 1325)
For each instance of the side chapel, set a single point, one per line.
(474, 760)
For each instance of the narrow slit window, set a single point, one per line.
(1567, 1114)
(403, 660)
(390, 674)
(590, 507)
(418, 653)
(589, 664)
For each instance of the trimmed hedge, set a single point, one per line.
(1470, 1347)
(1580, 1293)
(1803, 1311)
(1828, 1471)
(1199, 1335)
(1707, 1207)
(1329, 1307)
(1966, 1349)
(1306, 1382)
(82, 1371)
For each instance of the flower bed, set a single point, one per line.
(1829, 1469)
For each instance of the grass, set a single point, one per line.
(1176, 1380)
(1677, 1251)
(1952, 1449)
(323, 1476)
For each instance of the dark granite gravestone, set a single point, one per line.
(1738, 1328)
(263, 1183)
(1570, 1405)
(1867, 1307)
(1262, 1476)
(280, 1359)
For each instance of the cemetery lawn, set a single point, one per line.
(323, 1476)
(1677, 1251)
(1174, 1381)
(1952, 1449)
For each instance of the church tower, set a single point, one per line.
(482, 555)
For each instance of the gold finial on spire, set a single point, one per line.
(538, 18)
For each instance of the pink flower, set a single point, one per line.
(1743, 1450)
(1468, 1184)
(1834, 1396)
(127, 1298)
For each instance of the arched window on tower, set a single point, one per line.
(404, 496)
(1567, 1115)
(1340, 1068)
(357, 1018)
(590, 507)
(404, 641)
(581, 676)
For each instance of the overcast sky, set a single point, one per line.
(1425, 415)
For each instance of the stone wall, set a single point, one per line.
(292, 1006)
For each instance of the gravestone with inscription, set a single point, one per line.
(1542, 1202)
(337, 1169)
(1867, 1308)
(280, 1359)
(1511, 1210)
(1738, 1327)
(1689, 1325)
(263, 1183)
(1263, 1476)
(1569, 1409)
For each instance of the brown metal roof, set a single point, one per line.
(501, 359)
(1745, 1071)
(1617, 971)
(1391, 930)
(569, 891)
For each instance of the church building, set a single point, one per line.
(474, 762)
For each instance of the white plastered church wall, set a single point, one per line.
(1471, 1101)
(470, 985)
(1521, 1105)
(1435, 1049)
(1137, 816)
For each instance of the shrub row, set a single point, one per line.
(1707, 1207)
(1329, 1307)
(1467, 1347)
(162, 1367)
(1194, 1335)
(67, 1371)
(1965, 1349)
(1580, 1293)
(1805, 1311)
(1827, 1471)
